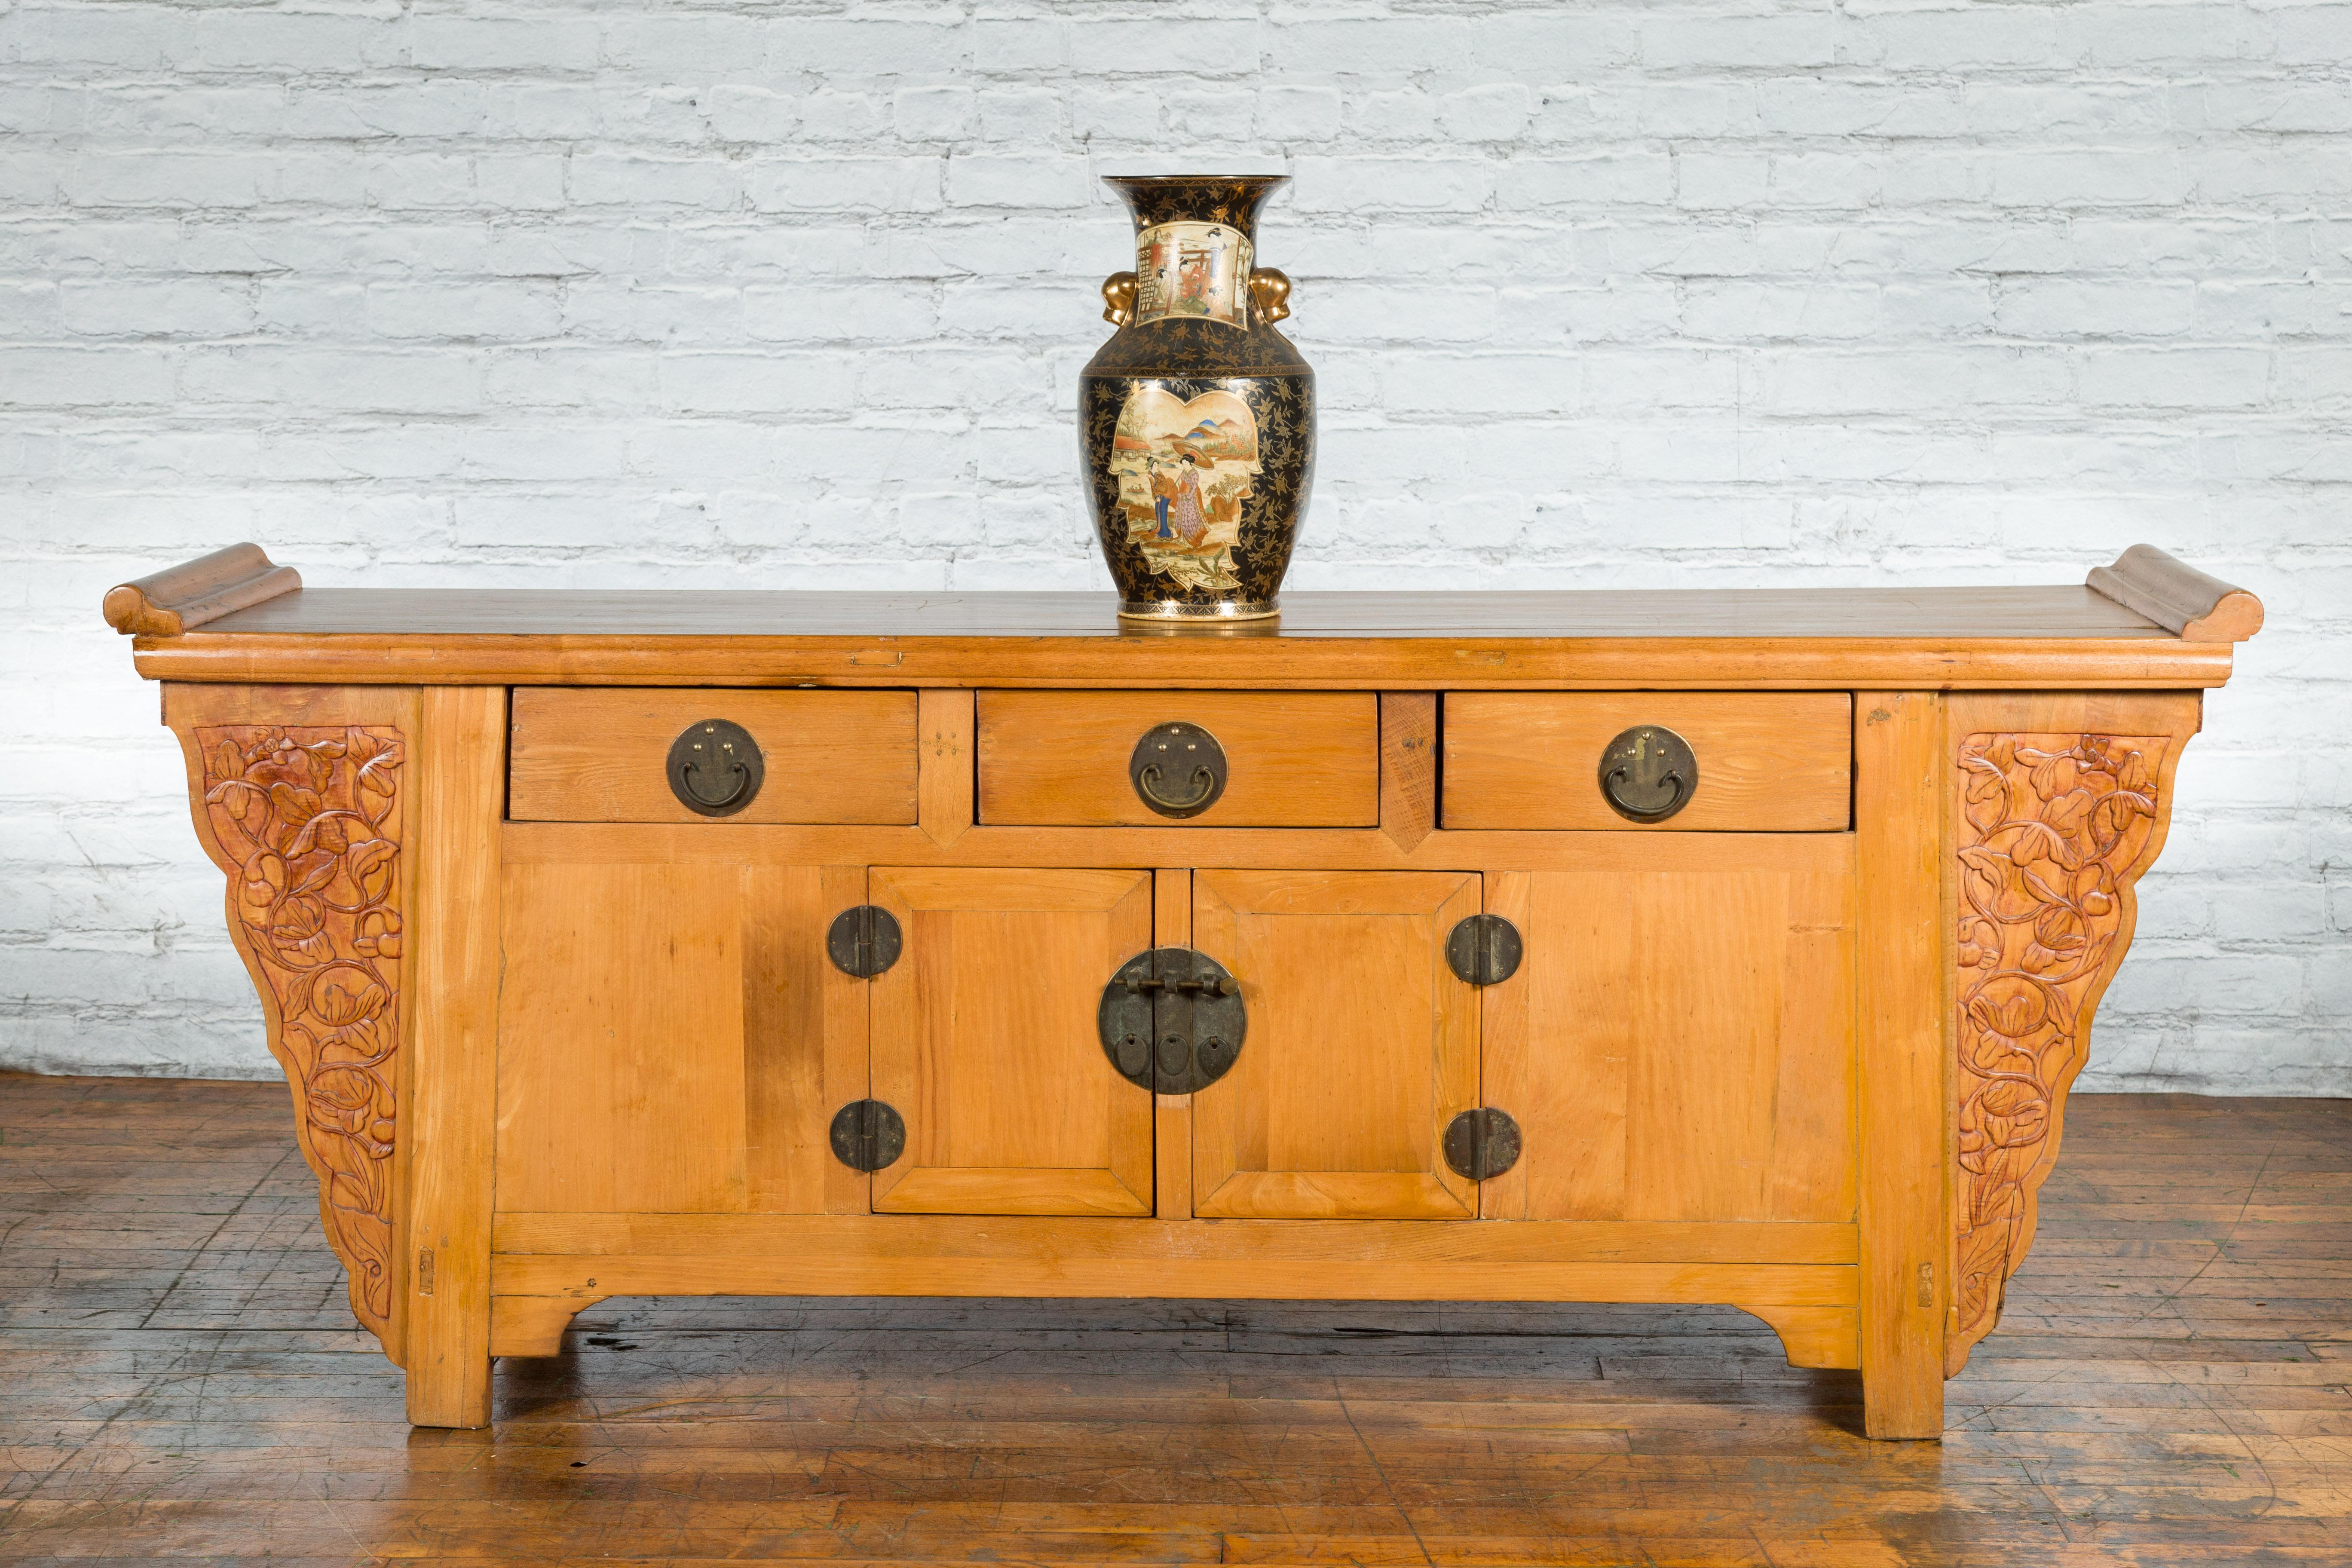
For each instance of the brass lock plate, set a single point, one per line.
(714, 768)
(1648, 774)
(1172, 1020)
(1178, 769)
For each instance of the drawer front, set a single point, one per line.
(1308, 759)
(603, 756)
(1767, 761)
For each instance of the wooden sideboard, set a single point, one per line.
(1730, 947)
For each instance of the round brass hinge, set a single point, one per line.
(1484, 950)
(714, 768)
(868, 1134)
(1482, 1143)
(863, 941)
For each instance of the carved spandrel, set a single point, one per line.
(306, 821)
(2050, 830)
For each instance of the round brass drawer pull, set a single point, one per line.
(714, 768)
(1178, 769)
(1648, 774)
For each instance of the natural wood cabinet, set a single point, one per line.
(1732, 948)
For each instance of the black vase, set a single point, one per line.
(1197, 418)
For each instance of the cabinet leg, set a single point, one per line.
(1903, 1395)
(451, 1390)
(453, 1085)
(1904, 1105)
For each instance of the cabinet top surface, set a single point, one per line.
(2049, 636)
(2148, 620)
(1901, 615)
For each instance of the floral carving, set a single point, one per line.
(2052, 831)
(308, 820)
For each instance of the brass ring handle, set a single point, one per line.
(1617, 776)
(739, 776)
(1648, 774)
(1178, 751)
(1146, 783)
(715, 767)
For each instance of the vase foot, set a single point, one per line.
(1164, 610)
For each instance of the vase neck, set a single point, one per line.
(1195, 243)
(1190, 270)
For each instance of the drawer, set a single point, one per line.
(1303, 759)
(1767, 761)
(603, 756)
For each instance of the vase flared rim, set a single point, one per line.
(1124, 181)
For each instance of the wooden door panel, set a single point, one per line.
(621, 1038)
(1677, 1045)
(666, 1043)
(1361, 1046)
(984, 1040)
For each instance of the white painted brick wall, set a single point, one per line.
(753, 294)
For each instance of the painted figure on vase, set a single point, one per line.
(1183, 469)
(1187, 513)
(1163, 491)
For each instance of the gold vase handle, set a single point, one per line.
(1119, 299)
(1270, 288)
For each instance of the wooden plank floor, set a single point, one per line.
(181, 1381)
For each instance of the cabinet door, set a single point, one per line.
(985, 1041)
(1677, 1045)
(671, 1039)
(1363, 1045)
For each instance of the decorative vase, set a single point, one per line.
(1197, 418)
